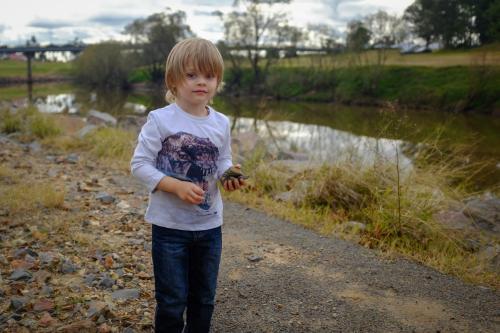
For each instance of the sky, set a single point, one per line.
(90, 21)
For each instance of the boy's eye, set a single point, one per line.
(190, 75)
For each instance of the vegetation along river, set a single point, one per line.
(317, 132)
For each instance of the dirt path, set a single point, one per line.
(275, 276)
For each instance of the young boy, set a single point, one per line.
(182, 151)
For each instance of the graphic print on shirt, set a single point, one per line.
(187, 157)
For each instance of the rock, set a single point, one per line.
(68, 267)
(104, 328)
(86, 130)
(72, 158)
(125, 294)
(106, 282)
(454, 220)
(96, 309)
(96, 118)
(128, 330)
(471, 245)
(491, 254)
(124, 206)
(35, 147)
(46, 290)
(485, 211)
(43, 305)
(46, 320)
(105, 198)
(20, 274)
(20, 253)
(353, 226)
(18, 303)
(289, 155)
(89, 279)
(254, 258)
(133, 123)
(46, 258)
(77, 327)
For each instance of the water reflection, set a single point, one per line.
(315, 131)
(320, 143)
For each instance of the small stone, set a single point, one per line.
(96, 309)
(88, 279)
(20, 274)
(18, 303)
(43, 305)
(72, 158)
(254, 258)
(77, 327)
(105, 198)
(125, 294)
(104, 328)
(354, 226)
(68, 267)
(106, 282)
(128, 330)
(46, 290)
(46, 320)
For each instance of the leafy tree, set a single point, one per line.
(252, 26)
(448, 21)
(103, 65)
(487, 19)
(358, 36)
(155, 36)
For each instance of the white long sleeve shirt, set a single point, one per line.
(197, 149)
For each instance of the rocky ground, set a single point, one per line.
(85, 267)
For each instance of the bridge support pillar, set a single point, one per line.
(29, 56)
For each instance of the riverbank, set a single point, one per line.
(456, 89)
(424, 213)
(465, 87)
(75, 256)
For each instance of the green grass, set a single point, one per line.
(14, 68)
(9, 92)
(449, 88)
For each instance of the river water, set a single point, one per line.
(318, 132)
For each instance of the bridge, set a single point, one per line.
(29, 52)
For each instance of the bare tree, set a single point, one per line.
(252, 27)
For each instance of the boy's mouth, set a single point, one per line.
(200, 91)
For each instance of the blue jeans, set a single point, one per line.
(186, 264)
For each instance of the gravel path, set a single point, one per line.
(279, 277)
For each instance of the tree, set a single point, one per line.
(420, 17)
(358, 36)
(385, 29)
(103, 65)
(450, 22)
(156, 35)
(326, 35)
(487, 20)
(252, 26)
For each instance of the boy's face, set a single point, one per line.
(196, 88)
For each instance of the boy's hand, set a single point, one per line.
(189, 192)
(234, 183)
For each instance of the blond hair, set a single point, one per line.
(198, 53)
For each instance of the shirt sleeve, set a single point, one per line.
(143, 163)
(225, 158)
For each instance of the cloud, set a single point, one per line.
(50, 24)
(113, 20)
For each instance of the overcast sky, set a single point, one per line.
(61, 21)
